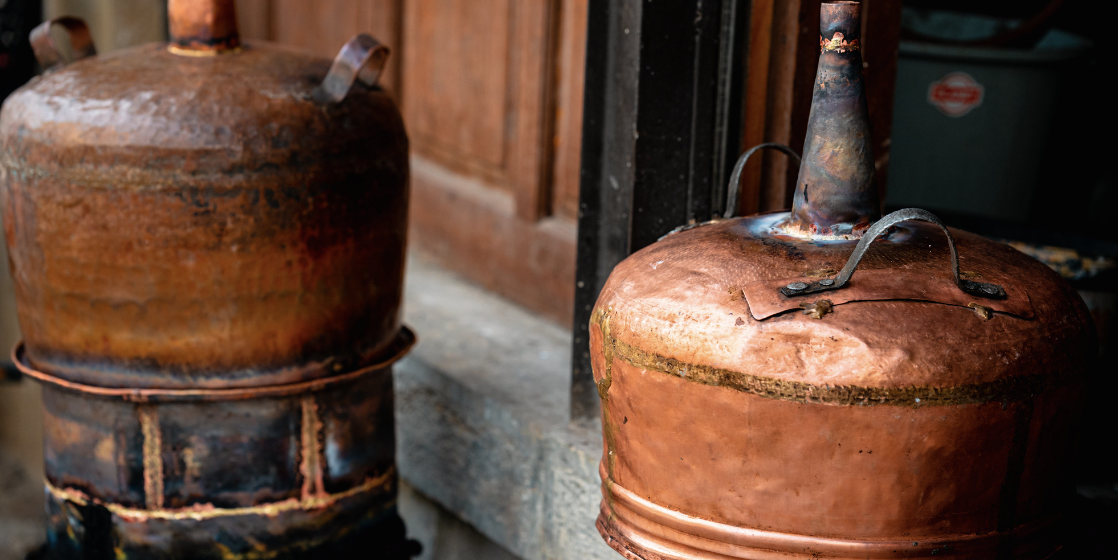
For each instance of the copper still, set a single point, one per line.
(207, 240)
(830, 383)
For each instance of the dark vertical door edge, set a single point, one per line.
(661, 121)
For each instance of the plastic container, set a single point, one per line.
(971, 123)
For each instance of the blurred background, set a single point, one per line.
(993, 114)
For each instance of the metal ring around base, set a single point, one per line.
(651, 531)
(405, 339)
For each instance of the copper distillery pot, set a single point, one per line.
(207, 240)
(185, 216)
(830, 383)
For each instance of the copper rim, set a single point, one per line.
(403, 343)
(639, 524)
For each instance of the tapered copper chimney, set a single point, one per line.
(836, 192)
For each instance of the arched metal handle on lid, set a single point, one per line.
(979, 289)
(735, 177)
(362, 58)
(46, 51)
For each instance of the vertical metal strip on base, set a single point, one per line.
(310, 465)
(153, 456)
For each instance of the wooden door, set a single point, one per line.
(491, 94)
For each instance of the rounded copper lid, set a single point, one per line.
(718, 296)
(254, 109)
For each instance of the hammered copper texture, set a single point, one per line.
(886, 421)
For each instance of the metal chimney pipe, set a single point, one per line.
(202, 27)
(836, 192)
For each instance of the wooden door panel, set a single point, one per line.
(457, 74)
(323, 26)
(478, 101)
(571, 57)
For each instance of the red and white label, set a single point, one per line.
(956, 94)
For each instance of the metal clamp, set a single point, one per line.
(978, 289)
(46, 51)
(362, 58)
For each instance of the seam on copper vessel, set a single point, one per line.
(153, 456)
(202, 512)
(310, 465)
(627, 507)
(601, 318)
(406, 341)
(1011, 389)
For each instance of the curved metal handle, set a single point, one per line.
(735, 177)
(979, 289)
(362, 58)
(46, 51)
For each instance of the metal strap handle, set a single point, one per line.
(362, 58)
(735, 177)
(979, 289)
(46, 51)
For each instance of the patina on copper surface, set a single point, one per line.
(222, 473)
(766, 396)
(836, 192)
(203, 221)
(208, 260)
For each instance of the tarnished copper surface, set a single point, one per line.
(836, 192)
(208, 261)
(275, 473)
(202, 222)
(888, 420)
(403, 343)
(202, 27)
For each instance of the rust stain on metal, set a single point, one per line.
(201, 512)
(981, 310)
(817, 309)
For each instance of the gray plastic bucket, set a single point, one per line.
(971, 123)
